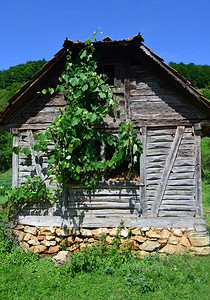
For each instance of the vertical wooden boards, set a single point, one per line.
(35, 162)
(15, 158)
(166, 171)
(198, 184)
(143, 170)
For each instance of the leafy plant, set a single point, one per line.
(6, 242)
(33, 189)
(5, 150)
(79, 133)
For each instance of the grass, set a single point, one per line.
(205, 159)
(103, 273)
(206, 202)
(206, 192)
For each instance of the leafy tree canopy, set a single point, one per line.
(20, 73)
(198, 75)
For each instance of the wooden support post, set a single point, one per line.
(127, 89)
(143, 175)
(198, 183)
(102, 155)
(167, 170)
(15, 158)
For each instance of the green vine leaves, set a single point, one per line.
(79, 133)
(31, 190)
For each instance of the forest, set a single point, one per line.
(13, 78)
(198, 75)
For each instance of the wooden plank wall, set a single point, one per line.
(34, 164)
(172, 194)
(170, 170)
(39, 113)
(117, 199)
(15, 158)
(153, 100)
(178, 197)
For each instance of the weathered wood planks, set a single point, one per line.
(180, 184)
(109, 199)
(198, 184)
(170, 163)
(93, 222)
(143, 171)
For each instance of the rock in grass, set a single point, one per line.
(61, 258)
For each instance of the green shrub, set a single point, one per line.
(19, 257)
(205, 158)
(6, 242)
(143, 273)
(5, 151)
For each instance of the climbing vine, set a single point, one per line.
(31, 190)
(79, 133)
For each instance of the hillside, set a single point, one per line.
(198, 75)
(13, 78)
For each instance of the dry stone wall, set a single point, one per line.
(50, 240)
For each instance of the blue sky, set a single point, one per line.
(177, 30)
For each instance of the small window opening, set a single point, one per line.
(108, 70)
(122, 172)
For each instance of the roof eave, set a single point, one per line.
(181, 81)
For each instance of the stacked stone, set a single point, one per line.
(50, 240)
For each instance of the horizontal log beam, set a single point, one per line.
(159, 222)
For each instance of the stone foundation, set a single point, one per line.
(50, 240)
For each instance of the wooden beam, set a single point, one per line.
(127, 89)
(167, 170)
(143, 170)
(198, 183)
(94, 222)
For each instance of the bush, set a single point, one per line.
(6, 242)
(205, 158)
(5, 151)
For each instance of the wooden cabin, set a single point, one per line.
(170, 117)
